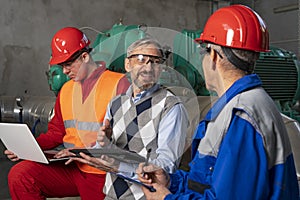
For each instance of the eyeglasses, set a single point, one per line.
(142, 59)
(207, 50)
(68, 63)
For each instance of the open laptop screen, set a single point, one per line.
(19, 139)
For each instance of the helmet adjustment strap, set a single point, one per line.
(236, 61)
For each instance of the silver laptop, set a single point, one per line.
(19, 139)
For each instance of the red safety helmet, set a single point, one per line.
(65, 43)
(236, 26)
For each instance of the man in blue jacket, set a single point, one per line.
(241, 149)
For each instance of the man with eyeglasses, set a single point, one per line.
(241, 149)
(79, 111)
(148, 120)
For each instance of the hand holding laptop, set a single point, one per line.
(51, 155)
(21, 144)
(11, 156)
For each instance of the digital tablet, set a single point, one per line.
(116, 153)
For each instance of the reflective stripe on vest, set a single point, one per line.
(83, 120)
(88, 126)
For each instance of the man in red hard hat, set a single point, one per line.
(241, 149)
(79, 111)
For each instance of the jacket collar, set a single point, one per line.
(243, 84)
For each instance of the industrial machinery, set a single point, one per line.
(280, 74)
(56, 78)
(35, 111)
(278, 69)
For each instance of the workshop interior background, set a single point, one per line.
(28, 26)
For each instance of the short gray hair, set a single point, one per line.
(144, 42)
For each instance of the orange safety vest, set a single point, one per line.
(83, 120)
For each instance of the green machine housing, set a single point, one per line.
(278, 69)
(111, 45)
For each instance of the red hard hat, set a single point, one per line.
(236, 26)
(65, 43)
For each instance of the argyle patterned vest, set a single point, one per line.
(135, 128)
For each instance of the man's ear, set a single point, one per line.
(85, 57)
(127, 65)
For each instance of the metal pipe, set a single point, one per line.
(35, 111)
